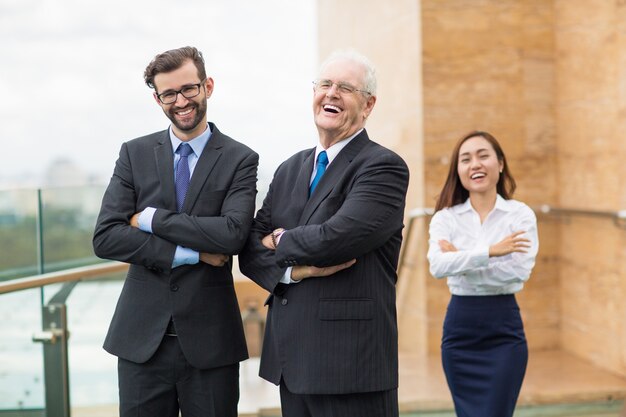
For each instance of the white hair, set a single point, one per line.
(356, 57)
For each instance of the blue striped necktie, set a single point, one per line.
(182, 174)
(322, 161)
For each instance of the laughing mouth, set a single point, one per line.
(184, 112)
(332, 109)
(478, 175)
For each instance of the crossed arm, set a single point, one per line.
(215, 259)
(370, 214)
(214, 237)
(446, 259)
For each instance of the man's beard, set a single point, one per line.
(200, 109)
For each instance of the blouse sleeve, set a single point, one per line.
(517, 266)
(451, 263)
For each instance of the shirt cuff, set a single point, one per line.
(286, 279)
(185, 256)
(145, 219)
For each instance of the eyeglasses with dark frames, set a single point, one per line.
(188, 91)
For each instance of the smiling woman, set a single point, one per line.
(485, 243)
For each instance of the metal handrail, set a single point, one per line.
(413, 214)
(54, 332)
(618, 217)
(68, 275)
(542, 209)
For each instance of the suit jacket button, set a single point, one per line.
(174, 287)
(284, 302)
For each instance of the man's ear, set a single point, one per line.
(369, 106)
(208, 86)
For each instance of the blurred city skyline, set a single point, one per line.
(73, 75)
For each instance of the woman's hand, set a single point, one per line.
(510, 244)
(446, 246)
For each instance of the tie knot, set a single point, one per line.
(322, 158)
(184, 149)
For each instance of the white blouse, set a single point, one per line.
(470, 270)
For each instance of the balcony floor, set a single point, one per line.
(557, 384)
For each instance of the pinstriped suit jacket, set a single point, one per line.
(336, 334)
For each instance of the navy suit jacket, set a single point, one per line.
(336, 334)
(216, 218)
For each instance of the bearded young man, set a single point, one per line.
(179, 205)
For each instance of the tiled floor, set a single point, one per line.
(557, 385)
(553, 377)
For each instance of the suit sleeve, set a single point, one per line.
(226, 233)
(114, 238)
(256, 261)
(371, 213)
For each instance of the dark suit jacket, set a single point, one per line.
(216, 218)
(336, 334)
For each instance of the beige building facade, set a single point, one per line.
(548, 79)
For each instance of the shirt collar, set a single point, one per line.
(334, 150)
(501, 204)
(197, 144)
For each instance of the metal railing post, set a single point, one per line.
(55, 359)
(39, 235)
(54, 337)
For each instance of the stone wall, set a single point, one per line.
(489, 65)
(548, 79)
(590, 107)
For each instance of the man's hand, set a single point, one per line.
(510, 244)
(267, 242)
(134, 221)
(271, 241)
(446, 246)
(215, 259)
(304, 271)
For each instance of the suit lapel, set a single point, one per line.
(332, 175)
(206, 162)
(164, 156)
(300, 192)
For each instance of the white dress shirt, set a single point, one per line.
(470, 270)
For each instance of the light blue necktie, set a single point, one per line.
(182, 174)
(322, 161)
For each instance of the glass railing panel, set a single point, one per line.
(47, 230)
(21, 360)
(68, 219)
(93, 371)
(18, 233)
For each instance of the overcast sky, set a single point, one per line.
(71, 76)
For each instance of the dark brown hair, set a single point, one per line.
(171, 60)
(454, 193)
